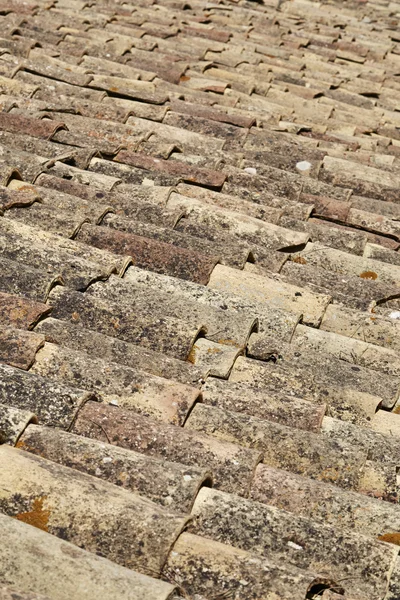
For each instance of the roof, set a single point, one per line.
(199, 300)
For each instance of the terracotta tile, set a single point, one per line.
(187, 173)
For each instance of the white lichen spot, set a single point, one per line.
(395, 314)
(294, 546)
(250, 170)
(303, 165)
(187, 478)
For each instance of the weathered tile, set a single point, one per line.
(348, 349)
(231, 570)
(206, 126)
(30, 246)
(219, 326)
(212, 219)
(151, 254)
(362, 326)
(233, 203)
(289, 539)
(25, 280)
(54, 404)
(176, 138)
(13, 422)
(273, 292)
(77, 338)
(137, 90)
(136, 390)
(171, 485)
(295, 367)
(20, 312)
(331, 505)
(294, 450)
(217, 359)
(209, 113)
(16, 164)
(337, 261)
(231, 465)
(257, 401)
(42, 87)
(159, 333)
(55, 69)
(10, 198)
(230, 252)
(348, 290)
(381, 253)
(186, 173)
(18, 88)
(365, 181)
(381, 446)
(270, 318)
(30, 480)
(18, 348)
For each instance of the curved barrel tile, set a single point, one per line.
(66, 571)
(232, 466)
(170, 484)
(92, 514)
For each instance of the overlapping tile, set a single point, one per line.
(199, 252)
(169, 484)
(232, 466)
(84, 573)
(290, 539)
(45, 491)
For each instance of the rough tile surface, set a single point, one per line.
(199, 300)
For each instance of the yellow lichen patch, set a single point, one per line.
(115, 322)
(329, 474)
(24, 446)
(368, 275)
(123, 477)
(38, 516)
(26, 188)
(21, 444)
(300, 260)
(192, 355)
(17, 314)
(392, 538)
(227, 342)
(213, 351)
